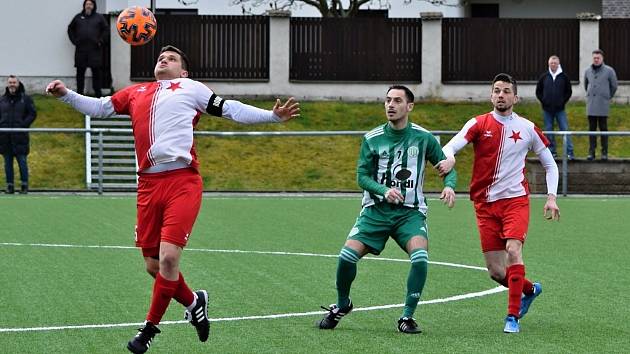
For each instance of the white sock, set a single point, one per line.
(194, 303)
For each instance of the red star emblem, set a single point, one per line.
(516, 136)
(174, 86)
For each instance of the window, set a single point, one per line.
(484, 10)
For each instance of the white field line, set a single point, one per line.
(498, 289)
(276, 253)
(285, 315)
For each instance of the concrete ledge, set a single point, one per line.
(278, 13)
(586, 177)
(428, 16)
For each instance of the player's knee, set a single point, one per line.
(497, 274)
(513, 254)
(168, 262)
(153, 269)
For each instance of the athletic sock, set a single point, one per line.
(163, 291)
(183, 294)
(346, 272)
(416, 279)
(528, 287)
(515, 276)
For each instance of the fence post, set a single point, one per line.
(88, 152)
(431, 54)
(589, 41)
(565, 165)
(279, 50)
(100, 162)
(120, 58)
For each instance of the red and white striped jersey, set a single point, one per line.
(164, 114)
(501, 145)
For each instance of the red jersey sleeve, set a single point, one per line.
(122, 98)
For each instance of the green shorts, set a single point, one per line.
(378, 222)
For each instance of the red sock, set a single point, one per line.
(163, 291)
(183, 294)
(528, 287)
(515, 276)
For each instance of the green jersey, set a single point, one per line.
(391, 158)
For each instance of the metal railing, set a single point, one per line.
(438, 133)
(565, 159)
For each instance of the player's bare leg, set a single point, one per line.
(169, 283)
(496, 264)
(507, 268)
(196, 303)
(152, 266)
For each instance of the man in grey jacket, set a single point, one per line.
(600, 84)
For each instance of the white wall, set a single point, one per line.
(544, 8)
(39, 54)
(223, 7)
(42, 48)
(507, 8)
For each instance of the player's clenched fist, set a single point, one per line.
(57, 88)
(394, 196)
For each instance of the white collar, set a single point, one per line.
(554, 75)
(503, 119)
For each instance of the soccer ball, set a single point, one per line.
(136, 25)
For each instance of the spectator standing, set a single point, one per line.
(16, 111)
(88, 31)
(553, 91)
(600, 84)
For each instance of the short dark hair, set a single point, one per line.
(171, 48)
(408, 93)
(505, 78)
(598, 51)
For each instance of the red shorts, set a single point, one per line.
(501, 220)
(168, 204)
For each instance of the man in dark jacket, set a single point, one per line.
(88, 32)
(16, 111)
(553, 91)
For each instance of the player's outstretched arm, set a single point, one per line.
(551, 210)
(287, 111)
(57, 88)
(92, 106)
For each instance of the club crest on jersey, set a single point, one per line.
(413, 151)
(516, 136)
(174, 86)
